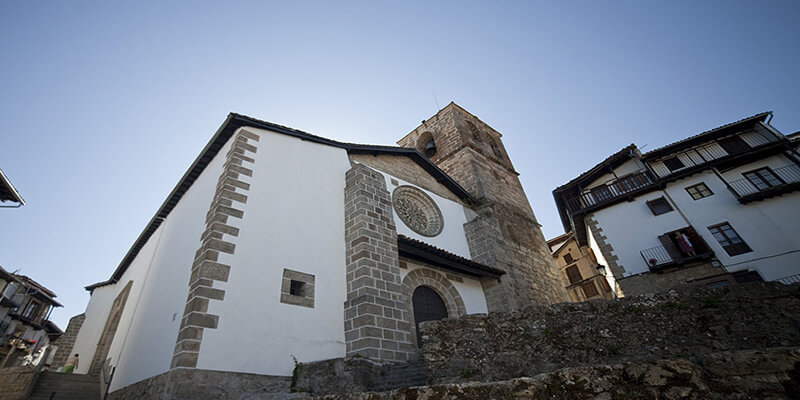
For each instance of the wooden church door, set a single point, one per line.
(428, 306)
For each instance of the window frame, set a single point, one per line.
(593, 286)
(675, 158)
(735, 244)
(651, 206)
(760, 175)
(699, 189)
(306, 298)
(568, 258)
(577, 273)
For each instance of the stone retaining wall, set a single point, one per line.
(15, 382)
(677, 324)
(771, 373)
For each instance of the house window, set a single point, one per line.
(729, 239)
(699, 191)
(568, 258)
(734, 145)
(763, 178)
(673, 163)
(32, 310)
(589, 289)
(574, 275)
(297, 288)
(659, 206)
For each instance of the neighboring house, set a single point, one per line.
(729, 193)
(8, 193)
(581, 275)
(277, 244)
(25, 308)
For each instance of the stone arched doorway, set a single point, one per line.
(428, 306)
(441, 287)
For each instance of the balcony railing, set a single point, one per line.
(711, 151)
(659, 257)
(788, 175)
(611, 191)
(789, 280)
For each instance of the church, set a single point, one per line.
(278, 246)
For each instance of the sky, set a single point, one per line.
(104, 105)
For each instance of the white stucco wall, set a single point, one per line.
(470, 290)
(294, 219)
(454, 215)
(770, 227)
(96, 314)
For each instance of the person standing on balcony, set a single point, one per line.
(684, 244)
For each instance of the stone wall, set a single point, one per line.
(650, 282)
(685, 323)
(67, 340)
(16, 382)
(376, 318)
(194, 384)
(771, 373)
(471, 152)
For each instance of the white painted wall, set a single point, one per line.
(148, 330)
(770, 227)
(294, 218)
(470, 290)
(96, 314)
(631, 227)
(454, 215)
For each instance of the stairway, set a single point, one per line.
(58, 386)
(397, 376)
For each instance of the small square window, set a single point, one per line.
(699, 191)
(568, 258)
(659, 206)
(296, 288)
(674, 163)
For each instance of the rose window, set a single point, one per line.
(417, 210)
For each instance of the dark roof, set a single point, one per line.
(232, 123)
(52, 329)
(598, 170)
(7, 190)
(422, 251)
(723, 130)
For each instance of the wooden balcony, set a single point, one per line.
(779, 181)
(612, 191)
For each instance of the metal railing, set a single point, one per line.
(709, 152)
(788, 280)
(788, 174)
(657, 256)
(611, 190)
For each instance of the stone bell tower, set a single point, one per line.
(506, 234)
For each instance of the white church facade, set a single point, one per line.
(241, 271)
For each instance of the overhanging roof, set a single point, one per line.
(7, 190)
(232, 123)
(415, 249)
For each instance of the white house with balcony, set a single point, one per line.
(712, 209)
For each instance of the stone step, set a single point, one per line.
(59, 386)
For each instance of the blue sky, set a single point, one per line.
(105, 104)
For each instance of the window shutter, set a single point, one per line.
(589, 289)
(573, 274)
